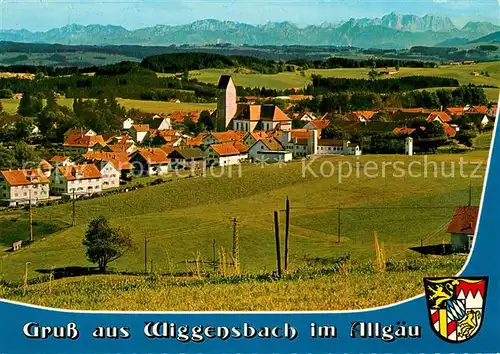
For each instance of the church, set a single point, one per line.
(243, 116)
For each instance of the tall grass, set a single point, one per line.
(380, 261)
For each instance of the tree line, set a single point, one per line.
(408, 83)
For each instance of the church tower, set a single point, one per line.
(226, 103)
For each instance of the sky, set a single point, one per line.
(41, 15)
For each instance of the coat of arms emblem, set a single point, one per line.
(456, 306)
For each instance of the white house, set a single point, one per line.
(78, 180)
(160, 123)
(61, 160)
(139, 132)
(110, 175)
(226, 154)
(151, 161)
(462, 228)
(127, 123)
(18, 187)
(269, 150)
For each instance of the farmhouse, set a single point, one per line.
(186, 159)
(150, 162)
(81, 143)
(269, 150)
(246, 117)
(110, 174)
(251, 137)
(127, 123)
(462, 228)
(159, 123)
(20, 186)
(78, 180)
(226, 154)
(86, 132)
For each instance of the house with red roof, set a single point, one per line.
(76, 180)
(462, 228)
(82, 143)
(18, 187)
(150, 161)
(60, 160)
(226, 154)
(438, 116)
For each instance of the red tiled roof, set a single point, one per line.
(45, 165)
(300, 133)
(442, 115)
(404, 131)
(80, 140)
(229, 149)
(79, 172)
(464, 220)
(230, 135)
(455, 111)
(153, 155)
(449, 130)
(479, 109)
(140, 127)
(320, 124)
(24, 177)
(59, 158)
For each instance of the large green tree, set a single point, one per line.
(104, 243)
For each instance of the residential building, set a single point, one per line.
(110, 174)
(226, 154)
(186, 159)
(18, 187)
(150, 161)
(86, 132)
(81, 143)
(269, 150)
(127, 123)
(139, 132)
(318, 125)
(222, 137)
(462, 228)
(119, 160)
(360, 116)
(76, 180)
(438, 116)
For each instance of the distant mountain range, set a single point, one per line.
(391, 31)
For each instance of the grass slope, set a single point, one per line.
(345, 290)
(184, 216)
(10, 105)
(287, 80)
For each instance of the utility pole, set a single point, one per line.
(145, 255)
(25, 281)
(73, 222)
(287, 231)
(30, 212)
(213, 256)
(470, 194)
(338, 225)
(236, 245)
(277, 235)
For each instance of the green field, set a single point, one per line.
(10, 105)
(294, 79)
(181, 218)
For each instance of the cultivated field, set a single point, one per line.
(10, 105)
(463, 73)
(181, 219)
